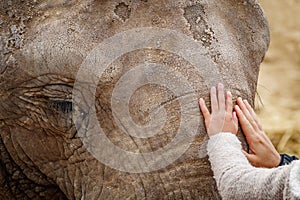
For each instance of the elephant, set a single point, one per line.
(94, 91)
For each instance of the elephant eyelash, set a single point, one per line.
(62, 113)
(65, 107)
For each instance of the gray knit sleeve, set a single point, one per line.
(237, 179)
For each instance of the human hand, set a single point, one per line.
(261, 153)
(221, 118)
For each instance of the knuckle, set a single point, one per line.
(257, 139)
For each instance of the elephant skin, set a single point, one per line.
(45, 43)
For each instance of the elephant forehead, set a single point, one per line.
(61, 41)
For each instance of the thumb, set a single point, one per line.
(235, 120)
(245, 153)
(234, 117)
(250, 157)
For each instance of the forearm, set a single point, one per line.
(237, 179)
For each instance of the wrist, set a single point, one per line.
(221, 132)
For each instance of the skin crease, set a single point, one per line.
(261, 153)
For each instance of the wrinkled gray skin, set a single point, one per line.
(43, 44)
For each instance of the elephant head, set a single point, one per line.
(98, 99)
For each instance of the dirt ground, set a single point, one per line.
(278, 99)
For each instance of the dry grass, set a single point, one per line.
(279, 81)
(286, 142)
(285, 133)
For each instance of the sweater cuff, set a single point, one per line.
(223, 140)
(286, 159)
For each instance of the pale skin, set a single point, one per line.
(225, 118)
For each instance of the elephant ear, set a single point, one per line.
(250, 31)
(250, 27)
(252, 34)
(243, 44)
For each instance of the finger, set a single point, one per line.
(221, 97)
(235, 119)
(246, 113)
(252, 136)
(229, 102)
(257, 121)
(253, 114)
(246, 126)
(214, 100)
(235, 123)
(204, 109)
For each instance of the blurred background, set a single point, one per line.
(278, 98)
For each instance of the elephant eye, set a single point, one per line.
(62, 106)
(60, 116)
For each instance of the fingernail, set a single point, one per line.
(229, 93)
(220, 85)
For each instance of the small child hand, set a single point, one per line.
(262, 153)
(221, 118)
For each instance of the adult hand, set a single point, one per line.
(261, 153)
(221, 118)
